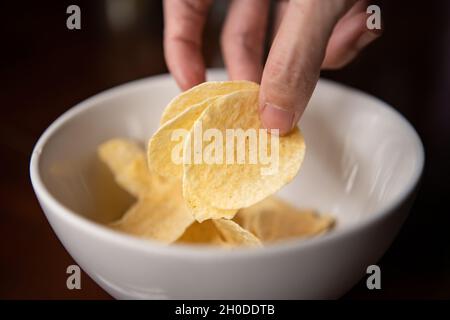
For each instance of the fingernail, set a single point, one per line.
(366, 38)
(274, 117)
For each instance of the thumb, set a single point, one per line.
(293, 65)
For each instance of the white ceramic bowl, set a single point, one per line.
(362, 164)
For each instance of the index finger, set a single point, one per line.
(183, 27)
(293, 65)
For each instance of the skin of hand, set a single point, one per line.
(310, 35)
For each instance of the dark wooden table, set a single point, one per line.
(46, 69)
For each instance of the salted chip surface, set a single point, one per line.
(201, 92)
(161, 149)
(223, 233)
(126, 160)
(203, 233)
(160, 219)
(119, 153)
(230, 184)
(202, 211)
(160, 212)
(197, 202)
(273, 220)
(167, 143)
(235, 235)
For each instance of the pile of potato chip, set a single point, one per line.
(227, 205)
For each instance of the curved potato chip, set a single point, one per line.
(224, 233)
(201, 92)
(202, 211)
(160, 212)
(236, 185)
(202, 233)
(273, 219)
(164, 220)
(126, 160)
(162, 145)
(235, 235)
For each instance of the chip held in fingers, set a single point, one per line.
(248, 164)
(203, 92)
(209, 173)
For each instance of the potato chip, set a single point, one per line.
(119, 153)
(161, 219)
(202, 211)
(223, 233)
(235, 235)
(125, 159)
(162, 144)
(183, 200)
(273, 219)
(202, 233)
(236, 185)
(202, 92)
(160, 212)
(160, 150)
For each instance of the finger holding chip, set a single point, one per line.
(233, 185)
(227, 204)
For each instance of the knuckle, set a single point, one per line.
(198, 7)
(241, 40)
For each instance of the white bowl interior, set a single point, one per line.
(361, 155)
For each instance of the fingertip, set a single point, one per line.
(367, 38)
(189, 79)
(275, 117)
(185, 64)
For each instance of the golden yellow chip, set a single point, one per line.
(119, 153)
(161, 149)
(161, 219)
(227, 182)
(201, 92)
(202, 211)
(235, 235)
(202, 233)
(126, 160)
(273, 219)
(160, 212)
(165, 148)
(223, 233)
(209, 159)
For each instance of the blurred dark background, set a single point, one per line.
(46, 69)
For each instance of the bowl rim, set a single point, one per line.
(202, 251)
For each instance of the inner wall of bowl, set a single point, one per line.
(359, 156)
(69, 165)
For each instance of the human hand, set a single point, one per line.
(310, 35)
